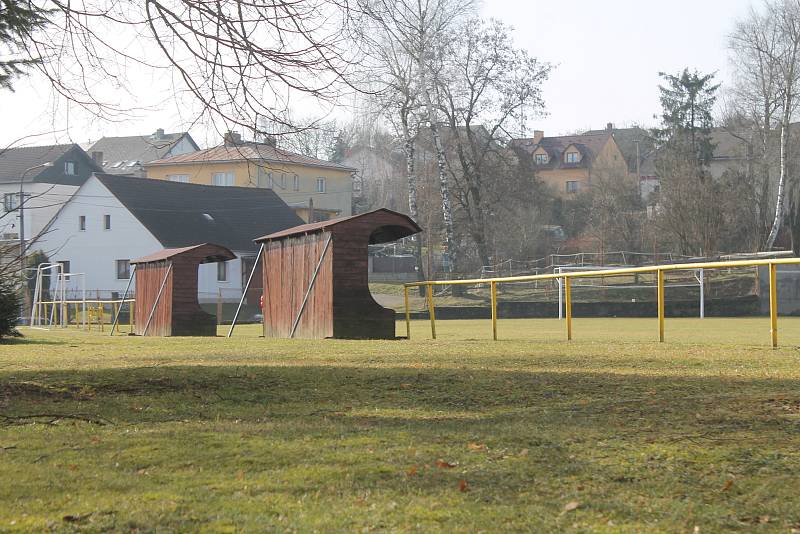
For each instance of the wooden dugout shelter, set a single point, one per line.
(316, 277)
(166, 291)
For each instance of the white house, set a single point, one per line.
(47, 176)
(112, 219)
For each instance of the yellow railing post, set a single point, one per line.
(660, 300)
(773, 303)
(408, 313)
(568, 306)
(431, 311)
(493, 286)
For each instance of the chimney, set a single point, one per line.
(97, 157)
(271, 140)
(537, 136)
(232, 138)
(159, 134)
(610, 127)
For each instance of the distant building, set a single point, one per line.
(301, 181)
(127, 155)
(137, 217)
(568, 163)
(48, 177)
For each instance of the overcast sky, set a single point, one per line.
(608, 55)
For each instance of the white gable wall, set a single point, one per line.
(181, 147)
(42, 203)
(95, 250)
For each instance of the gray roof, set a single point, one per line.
(181, 214)
(589, 145)
(15, 161)
(626, 141)
(123, 155)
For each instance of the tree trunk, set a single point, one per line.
(779, 204)
(444, 188)
(411, 176)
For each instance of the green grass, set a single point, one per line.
(608, 433)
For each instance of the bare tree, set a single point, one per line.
(766, 47)
(421, 28)
(239, 60)
(485, 84)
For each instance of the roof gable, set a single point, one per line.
(19, 161)
(180, 214)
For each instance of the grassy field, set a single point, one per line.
(608, 433)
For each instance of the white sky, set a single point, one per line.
(608, 55)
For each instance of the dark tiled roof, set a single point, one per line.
(131, 152)
(249, 152)
(626, 141)
(588, 144)
(180, 214)
(15, 161)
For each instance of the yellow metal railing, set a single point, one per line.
(567, 277)
(95, 312)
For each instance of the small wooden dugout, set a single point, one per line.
(316, 277)
(166, 291)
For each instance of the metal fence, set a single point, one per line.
(566, 279)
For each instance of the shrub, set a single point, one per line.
(10, 308)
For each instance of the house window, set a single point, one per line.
(82, 223)
(106, 222)
(123, 269)
(572, 187)
(11, 201)
(541, 159)
(222, 271)
(223, 178)
(263, 179)
(69, 168)
(64, 266)
(283, 181)
(572, 157)
(296, 184)
(182, 178)
(320, 185)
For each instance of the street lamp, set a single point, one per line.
(22, 214)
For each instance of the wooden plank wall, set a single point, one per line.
(149, 277)
(290, 264)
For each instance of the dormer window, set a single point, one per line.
(572, 157)
(540, 159)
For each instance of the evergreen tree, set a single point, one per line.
(18, 20)
(687, 101)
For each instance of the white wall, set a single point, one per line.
(95, 250)
(42, 203)
(181, 147)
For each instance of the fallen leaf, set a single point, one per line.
(523, 452)
(441, 464)
(405, 386)
(727, 485)
(412, 471)
(240, 475)
(764, 519)
(572, 505)
(476, 446)
(463, 486)
(72, 467)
